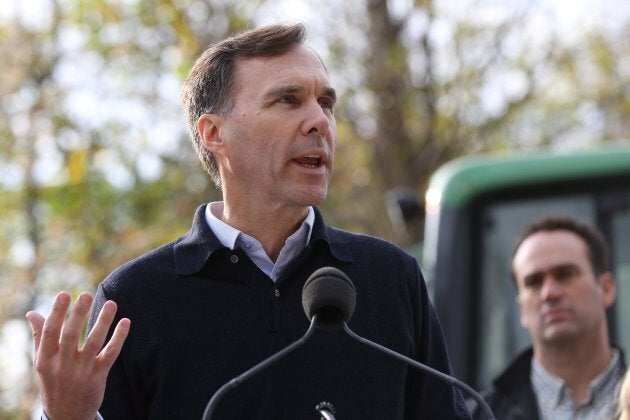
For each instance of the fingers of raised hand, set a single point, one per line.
(111, 351)
(98, 334)
(51, 331)
(73, 327)
(37, 325)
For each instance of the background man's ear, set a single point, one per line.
(609, 288)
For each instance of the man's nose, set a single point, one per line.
(550, 289)
(317, 120)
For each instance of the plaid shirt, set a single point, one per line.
(554, 398)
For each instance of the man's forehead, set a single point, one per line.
(298, 57)
(289, 70)
(553, 240)
(549, 247)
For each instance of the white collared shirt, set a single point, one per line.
(232, 238)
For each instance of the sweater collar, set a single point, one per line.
(192, 251)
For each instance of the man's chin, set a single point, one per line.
(560, 334)
(311, 196)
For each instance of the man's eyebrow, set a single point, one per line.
(553, 269)
(294, 89)
(565, 267)
(284, 90)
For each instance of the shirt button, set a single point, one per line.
(276, 292)
(234, 258)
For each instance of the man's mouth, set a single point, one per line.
(556, 314)
(309, 161)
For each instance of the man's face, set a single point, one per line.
(278, 142)
(559, 296)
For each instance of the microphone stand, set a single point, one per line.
(210, 407)
(424, 368)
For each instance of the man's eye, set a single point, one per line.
(288, 99)
(532, 282)
(327, 104)
(566, 273)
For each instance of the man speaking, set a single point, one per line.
(181, 320)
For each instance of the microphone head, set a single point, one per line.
(329, 294)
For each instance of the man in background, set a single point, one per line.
(564, 286)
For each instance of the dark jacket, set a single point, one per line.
(512, 396)
(202, 314)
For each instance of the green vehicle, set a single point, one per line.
(476, 207)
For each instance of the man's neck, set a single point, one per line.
(270, 226)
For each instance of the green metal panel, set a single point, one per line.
(464, 178)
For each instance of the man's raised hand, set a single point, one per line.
(72, 377)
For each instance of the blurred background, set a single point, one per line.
(96, 166)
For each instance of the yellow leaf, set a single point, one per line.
(76, 166)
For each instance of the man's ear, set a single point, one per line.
(208, 127)
(608, 287)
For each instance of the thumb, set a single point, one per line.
(37, 325)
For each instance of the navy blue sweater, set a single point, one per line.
(202, 314)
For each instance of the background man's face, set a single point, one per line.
(559, 296)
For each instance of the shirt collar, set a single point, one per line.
(225, 233)
(546, 384)
(599, 382)
(228, 235)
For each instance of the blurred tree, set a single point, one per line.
(438, 80)
(95, 165)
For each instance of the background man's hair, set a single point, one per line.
(594, 240)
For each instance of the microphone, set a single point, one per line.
(329, 293)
